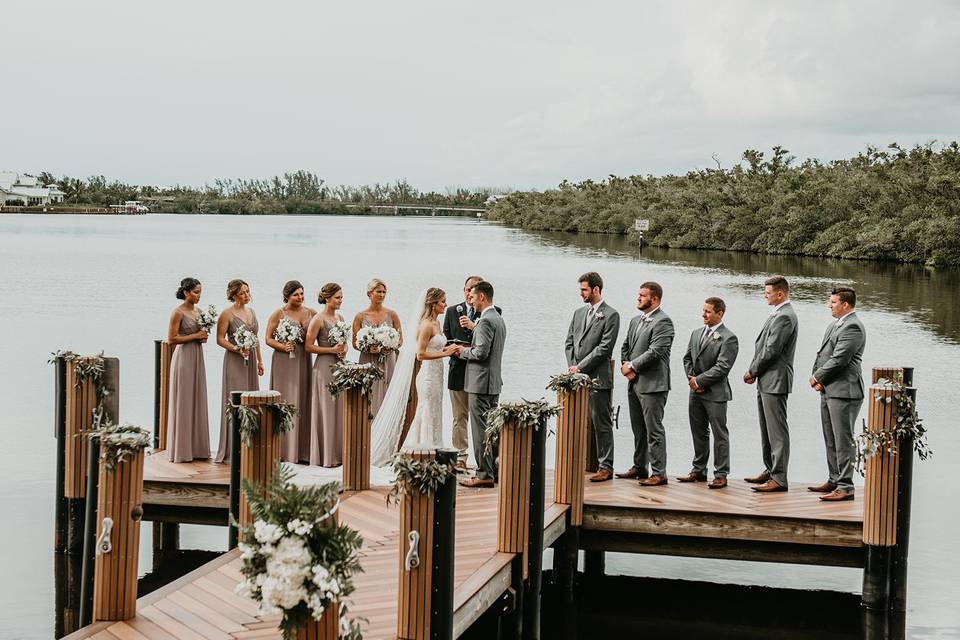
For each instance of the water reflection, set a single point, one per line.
(927, 295)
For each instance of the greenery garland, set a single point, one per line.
(422, 476)
(909, 425)
(571, 382)
(350, 375)
(86, 368)
(526, 413)
(283, 415)
(297, 560)
(119, 441)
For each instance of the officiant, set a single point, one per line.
(458, 324)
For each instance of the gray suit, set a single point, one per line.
(647, 349)
(772, 366)
(837, 368)
(589, 347)
(709, 360)
(483, 381)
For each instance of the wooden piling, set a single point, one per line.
(115, 573)
(592, 460)
(534, 556)
(259, 458)
(233, 532)
(326, 628)
(356, 440)
(163, 353)
(887, 498)
(513, 515)
(416, 541)
(571, 450)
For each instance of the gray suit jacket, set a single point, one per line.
(647, 349)
(837, 366)
(710, 363)
(772, 363)
(590, 348)
(484, 355)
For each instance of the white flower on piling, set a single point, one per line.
(299, 527)
(266, 532)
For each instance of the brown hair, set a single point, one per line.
(376, 282)
(593, 279)
(485, 288)
(434, 295)
(290, 288)
(233, 288)
(719, 306)
(655, 289)
(845, 294)
(779, 283)
(469, 278)
(328, 291)
(187, 284)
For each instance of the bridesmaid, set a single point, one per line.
(291, 376)
(377, 315)
(326, 431)
(188, 433)
(240, 367)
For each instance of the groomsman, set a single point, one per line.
(772, 370)
(710, 355)
(838, 378)
(645, 358)
(458, 324)
(591, 339)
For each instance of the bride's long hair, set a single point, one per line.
(434, 295)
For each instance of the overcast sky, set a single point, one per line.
(520, 94)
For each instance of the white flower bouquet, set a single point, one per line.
(379, 340)
(245, 340)
(339, 333)
(297, 560)
(207, 319)
(288, 332)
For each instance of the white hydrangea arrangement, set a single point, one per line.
(380, 340)
(297, 560)
(339, 333)
(288, 332)
(207, 319)
(245, 340)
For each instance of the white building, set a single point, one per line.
(25, 190)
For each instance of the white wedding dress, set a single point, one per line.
(426, 430)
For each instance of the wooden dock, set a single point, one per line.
(678, 519)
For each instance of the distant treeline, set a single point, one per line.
(894, 204)
(290, 193)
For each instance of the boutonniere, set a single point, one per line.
(598, 315)
(716, 336)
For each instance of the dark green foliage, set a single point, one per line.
(894, 204)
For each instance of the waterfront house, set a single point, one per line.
(20, 189)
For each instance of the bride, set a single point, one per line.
(427, 426)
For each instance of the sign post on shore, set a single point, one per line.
(640, 225)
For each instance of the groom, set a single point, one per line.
(482, 380)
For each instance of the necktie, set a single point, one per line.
(472, 313)
(706, 335)
(589, 316)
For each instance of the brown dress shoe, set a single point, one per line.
(631, 474)
(760, 479)
(718, 483)
(602, 476)
(770, 486)
(478, 483)
(836, 495)
(826, 487)
(654, 481)
(693, 476)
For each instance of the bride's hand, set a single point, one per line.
(449, 350)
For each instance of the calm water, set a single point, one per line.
(95, 283)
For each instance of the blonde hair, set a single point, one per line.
(373, 284)
(233, 288)
(434, 295)
(328, 291)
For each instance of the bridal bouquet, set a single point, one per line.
(339, 333)
(297, 560)
(245, 340)
(383, 339)
(288, 332)
(207, 319)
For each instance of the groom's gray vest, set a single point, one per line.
(484, 355)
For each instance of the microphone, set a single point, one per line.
(459, 309)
